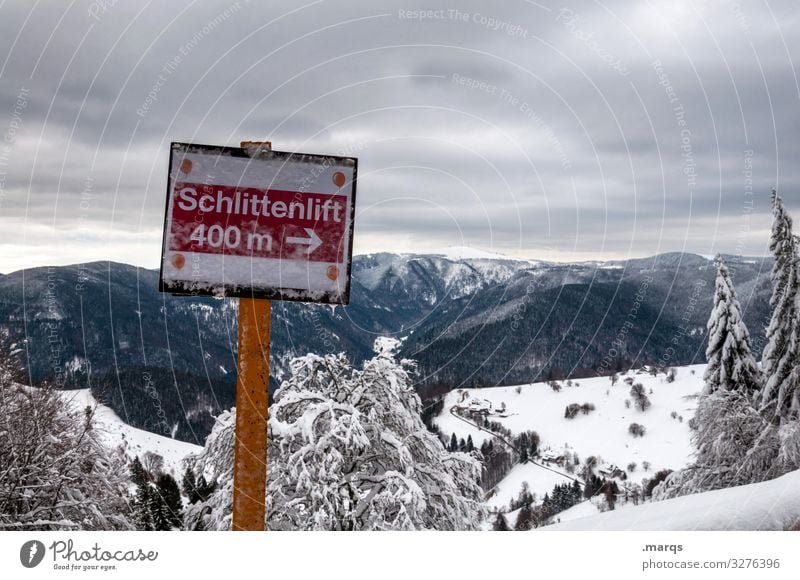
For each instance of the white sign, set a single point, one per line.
(275, 225)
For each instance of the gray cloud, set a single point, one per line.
(519, 127)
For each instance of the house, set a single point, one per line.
(480, 406)
(550, 457)
(612, 471)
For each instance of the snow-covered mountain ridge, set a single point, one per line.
(469, 318)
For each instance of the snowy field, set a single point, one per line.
(603, 432)
(114, 432)
(771, 505)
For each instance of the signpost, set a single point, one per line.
(257, 224)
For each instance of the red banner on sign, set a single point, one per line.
(244, 221)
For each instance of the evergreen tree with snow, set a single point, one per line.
(780, 398)
(784, 287)
(156, 505)
(781, 351)
(731, 365)
(143, 500)
(171, 504)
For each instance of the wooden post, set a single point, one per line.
(252, 396)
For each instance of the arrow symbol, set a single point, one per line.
(312, 241)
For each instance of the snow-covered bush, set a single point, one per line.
(214, 464)
(573, 409)
(54, 472)
(347, 451)
(735, 446)
(640, 399)
(636, 430)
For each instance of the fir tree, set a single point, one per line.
(138, 473)
(525, 519)
(780, 398)
(784, 289)
(141, 507)
(500, 523)
(170, 495)
(731, 366)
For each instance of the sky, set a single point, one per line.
(547, 130)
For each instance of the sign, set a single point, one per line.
(256, 223)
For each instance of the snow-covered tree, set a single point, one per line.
(735, 446)
(737, 442)
(55, 474)
(347, 451)
(780, 398)
(784, 286)
(731, 365)
(352, 453)
(781, 351)
(211, 503)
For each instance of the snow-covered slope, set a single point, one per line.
(602, 433)
(540, 479)
(114, 432)
(771, 505)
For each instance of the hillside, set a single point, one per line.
(602, 432)
(114, 433)
(771, 505)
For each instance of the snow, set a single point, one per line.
(603, 432)
(538, 478)
(582, 510)
(115, 432)
(467, 253)
(770, 505)
(386, 345)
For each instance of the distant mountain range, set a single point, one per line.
(167, 364)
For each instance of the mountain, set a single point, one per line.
(161, 363)
(167, 363)
(574, 320)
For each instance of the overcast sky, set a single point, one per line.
(557, 130)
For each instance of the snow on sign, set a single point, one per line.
(276, 225)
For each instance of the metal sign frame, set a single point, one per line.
(230, 290)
